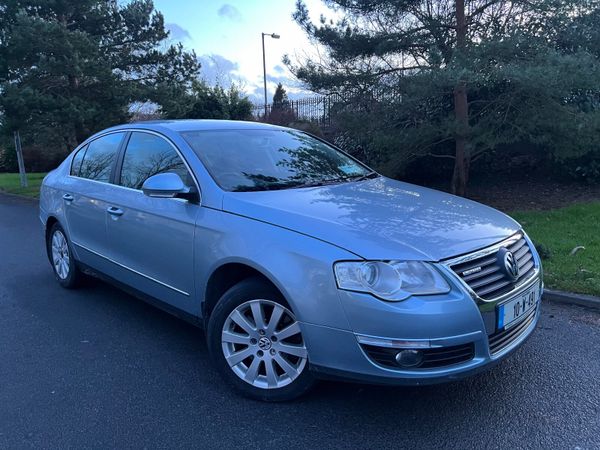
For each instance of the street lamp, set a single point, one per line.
(274, 36)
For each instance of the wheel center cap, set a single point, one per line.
(264, 343)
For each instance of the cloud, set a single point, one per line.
(177, 32)
(216, 69)
(295, 90)
(230, 12)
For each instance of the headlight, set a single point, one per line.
(392, 280)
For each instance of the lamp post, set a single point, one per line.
(274, 36)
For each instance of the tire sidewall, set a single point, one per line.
(250, 289)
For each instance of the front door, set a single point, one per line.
(151, 240)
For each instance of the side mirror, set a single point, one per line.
(165, 185)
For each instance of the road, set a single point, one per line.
(97, 368)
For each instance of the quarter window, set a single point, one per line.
(100, 156)
(76, 164)
(147, 155)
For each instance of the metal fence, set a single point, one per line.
(315, 109)
(321, 109)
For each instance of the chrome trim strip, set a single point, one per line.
(483, 252)
(131, 270)
(418, 343)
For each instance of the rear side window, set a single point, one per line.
(99, 158)
(147, 155)
(77, 159)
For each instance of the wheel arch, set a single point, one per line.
(227, 275)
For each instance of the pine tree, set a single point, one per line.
(459, 79)
(280, 97)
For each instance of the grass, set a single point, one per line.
(557, 233)
(10, 182)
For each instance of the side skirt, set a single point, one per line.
(190, 318)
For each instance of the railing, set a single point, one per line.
(320, 109)
(315, 109)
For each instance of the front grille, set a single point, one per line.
(432, 357)
(502, 339)
(486, 274)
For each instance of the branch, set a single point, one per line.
(441, 156)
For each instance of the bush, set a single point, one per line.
(585, 168)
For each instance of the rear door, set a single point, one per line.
(85, 194)
(152, 239)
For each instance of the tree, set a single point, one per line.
(432, 74)
(280, 97)
(202, 101)
(68, 69)
(281, 112)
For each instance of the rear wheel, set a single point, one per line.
(63, 264)
(257, 343)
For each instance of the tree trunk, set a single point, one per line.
(462, 160)
(460, 177)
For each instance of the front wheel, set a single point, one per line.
(257, 344)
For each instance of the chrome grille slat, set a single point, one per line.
(493, 287)
(524, 260)
(527, 267)
(517, 245)
(487, 280)
(521, 252)
(490, 279)
(483, 273)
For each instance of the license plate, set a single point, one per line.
(517, 307)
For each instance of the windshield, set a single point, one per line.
(256, 160)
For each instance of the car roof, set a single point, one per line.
(202, 125)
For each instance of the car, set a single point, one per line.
(298, 260)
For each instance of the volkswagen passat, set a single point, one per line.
(299, 261)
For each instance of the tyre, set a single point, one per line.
(257, 344)
(61, 258)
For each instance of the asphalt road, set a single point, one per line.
(99, 368)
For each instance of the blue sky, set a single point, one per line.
(226, 36)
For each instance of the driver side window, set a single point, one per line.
(147, 155)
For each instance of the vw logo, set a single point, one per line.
(511, 266)
(264, 343)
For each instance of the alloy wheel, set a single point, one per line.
(263, 345)
(60, 255)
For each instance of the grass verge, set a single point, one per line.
(557, 233)
(10, 182)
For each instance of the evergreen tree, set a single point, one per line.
(457, 79)
(281, 111)
(280, 97)
(70, 68)
(202, 101)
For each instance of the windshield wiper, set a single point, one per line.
(318, 183)
(272, 187)
(366, 176)
(307, 184)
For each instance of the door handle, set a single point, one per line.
(68, 198)
(114, 211)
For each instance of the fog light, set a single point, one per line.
(409, 358)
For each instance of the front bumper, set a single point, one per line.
(453, 320)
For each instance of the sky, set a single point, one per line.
(226, 36)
